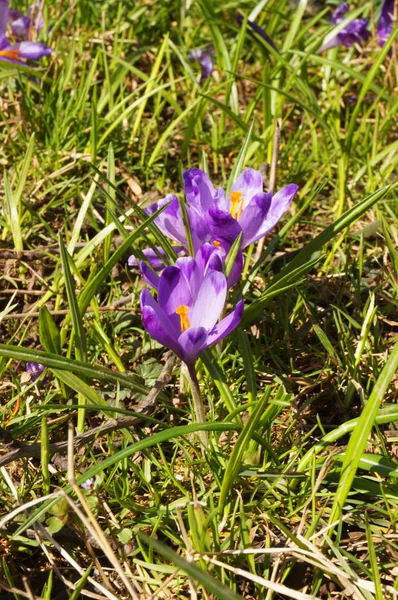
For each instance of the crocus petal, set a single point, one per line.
(168, 327)
(20, 27)
(249, 183)
(192, 342)
(257, 29)
(149, 275)
(253, 217)
(173, 292)
(279, 204)
(210, 301)
(32, 50)
(4, 16)
(338, 13)
(208, 259)
(236, 270)
(224, 327)
(152, 257)
(192, 273)
(198, 189)
(222, 225)
(385, 22)
(170, 220)
(154, 327)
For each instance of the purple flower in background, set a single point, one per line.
(205, 58)
(16, 53)
(338, 14)
(190, 302)
(354, 32)
(385, 22)
(22, 25)
(257, 29)
(35, 369)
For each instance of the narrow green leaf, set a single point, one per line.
(86, 370)
(218, 589)
(360, 435)
(241, 445)
(49, 332)
(77, 322)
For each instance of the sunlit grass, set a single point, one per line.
(296, 495)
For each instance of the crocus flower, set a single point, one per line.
(23, 25)
(354, 32)
(248, 209)
(385, 22)
(257, 29)
(35, 369)
(208, 258)
(16, 53)
(189, 305)
(205, 58)
(214, 217)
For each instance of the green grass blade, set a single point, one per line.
(241, 446)
(359, 437)
(218, 590)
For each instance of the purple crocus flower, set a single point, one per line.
(35, 369)
(16, 53)
(205, 58)
(354, 32)
(22, 25)
(210, 257)
(248, 209)
(257, 29)
(189, 305)
(385, 22)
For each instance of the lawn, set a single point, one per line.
(259, 463)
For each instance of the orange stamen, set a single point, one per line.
(237, 204)
(10, 53)
(217, 244)
(182, 312)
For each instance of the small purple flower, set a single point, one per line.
(338, 14)
(88, 484)
(386, 21)
(189, 305)
(35, 369)
(257, 29)
(205, 58)
(17, 53)
(354, 32)
(22, 25)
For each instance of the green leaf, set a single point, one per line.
(49, 332)
(215, 587)
(303, 262)
(359, 437)
(80, 387)
(77, 322)
(53, 361)
(241, 445)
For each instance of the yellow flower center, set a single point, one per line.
(10, 53)
(237, 204)
(182, 312)
(217, 244)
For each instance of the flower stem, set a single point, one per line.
(200, 416)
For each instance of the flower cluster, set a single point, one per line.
(192, 293)
(356, 31)
(21, 26)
